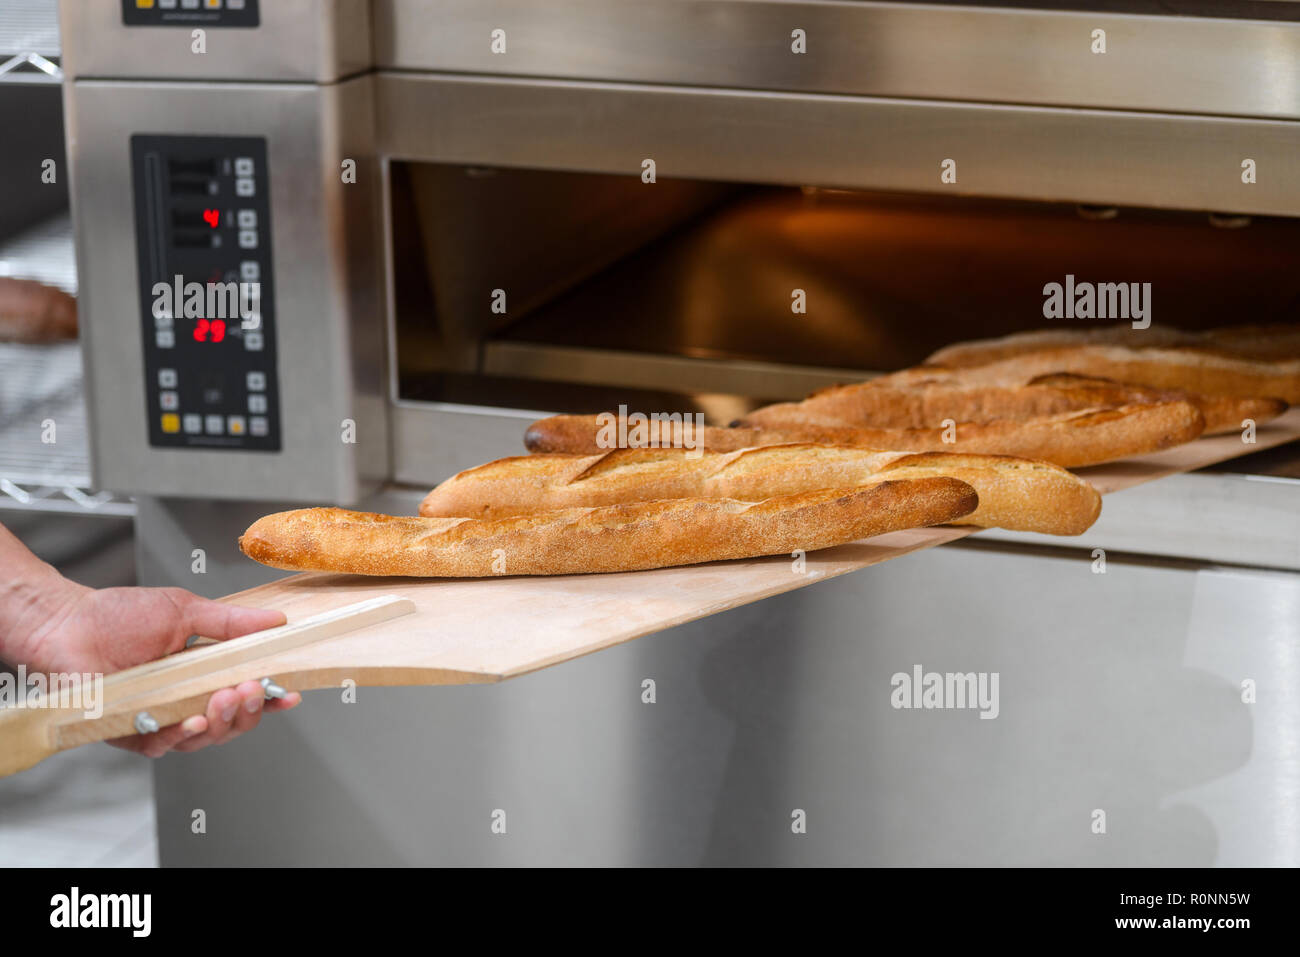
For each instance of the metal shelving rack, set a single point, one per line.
(44, 446)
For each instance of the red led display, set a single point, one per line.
(213, 330)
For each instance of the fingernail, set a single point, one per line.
(190, 727)
(229, 713)
(253, 704)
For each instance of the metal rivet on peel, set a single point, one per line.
(272, 690)
(145, 723)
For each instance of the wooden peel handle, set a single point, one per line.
(175, 687)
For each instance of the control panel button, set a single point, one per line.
(247, 239)
(246, 218)
(166, 4)
(214, 424)
(235, 4)
(212, 4)
(190, 4)
(257, 425)
(192, 423)
(243, 166)
(253, 341)
(236, 424)
(250, 270)
(166, 378)
(164, 338)
(144, 4)
(171, 422)
(257, 402)
(169, 399)
(163, 322)
(256, 381)
(244, 186)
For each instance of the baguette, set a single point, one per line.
(613, 538)
(1279, 341)
(1223, 413)
(931, 394)
(1207, 371)
(1013, 493)
(1070, 439)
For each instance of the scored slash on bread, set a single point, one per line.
(627, 537)
(930, 394)
(1200, 369)
(1013, 493)
(1068, 439)
(1278, 341)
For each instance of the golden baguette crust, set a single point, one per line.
(1068, 439)
(1278, 341)
(1013, 493)
(931, 394)
(1206, 371)
(1223, 413)
(1071, 439)
(609, 539)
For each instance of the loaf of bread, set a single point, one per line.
(1069, 439)
(932, 390)
(1278, 341)
(1013, 493)
(1202, 369)
(34, 312)
(612, 538)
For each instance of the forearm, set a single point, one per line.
(29, 590)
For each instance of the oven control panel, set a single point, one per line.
(207, 292)
(189, 13)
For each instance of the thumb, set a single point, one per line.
(214, 619)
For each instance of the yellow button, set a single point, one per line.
(212, 4)
(171, 422)
(144, 4)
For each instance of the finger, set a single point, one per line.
(160, 742)
(223, 706)
(291, 700)
(287, 703)
(214, 619)
(250, 708)
(233, 707)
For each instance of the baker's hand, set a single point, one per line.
(81, 629)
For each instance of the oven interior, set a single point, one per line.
(682, 295)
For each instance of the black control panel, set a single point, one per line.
(207, 296)
(189, 13)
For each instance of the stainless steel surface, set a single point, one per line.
(785, 704)
(326, 247)
(973, 52)
(319, 40)
(433, 440)
(645, 370)
(856, 142)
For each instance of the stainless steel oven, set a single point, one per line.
(462, 214)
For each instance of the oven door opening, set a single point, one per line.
(574, 292)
